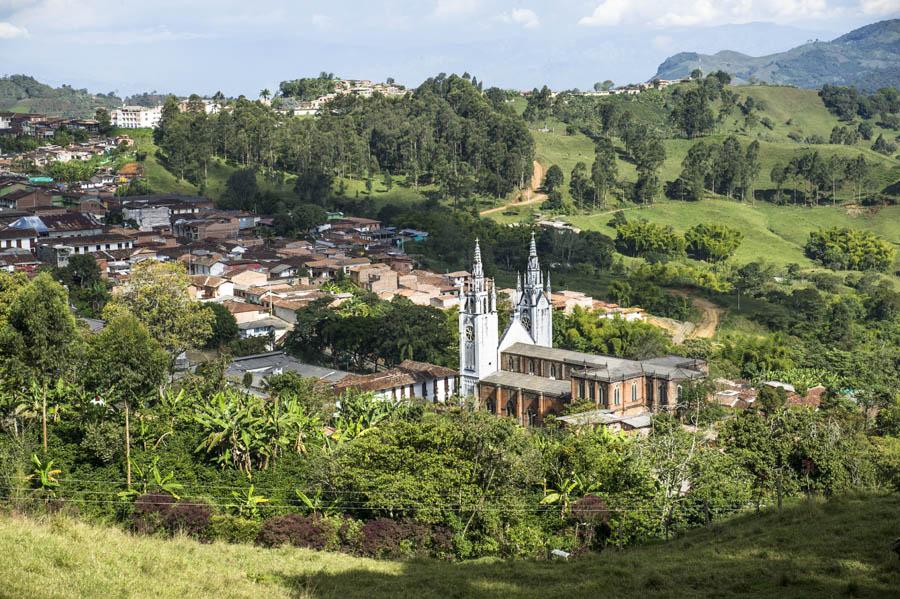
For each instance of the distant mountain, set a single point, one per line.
(868, 58)
(21, 93)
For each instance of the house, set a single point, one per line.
(204, 262)
(206, 228)
(22, 239)
(246, 278)
(28, 198)
(407, 380)
(205, 287)
(136, 117)
(262, 366)
(376, 278)
(57, 252)
(67, 224)
(269, 326)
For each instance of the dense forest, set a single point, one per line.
(445, 133)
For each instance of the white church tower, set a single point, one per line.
(533, 306)
(478, 329)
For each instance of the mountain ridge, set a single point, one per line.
(867, 58)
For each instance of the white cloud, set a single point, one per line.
(879, 7)
(687, 13)
(448, 9)
(525, 17)
(321, 21)
(662, 42)
(9, 31)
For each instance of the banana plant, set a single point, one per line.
(247, 503)
(151, 478)
(316, 504)
(571, 487)
(44, 476)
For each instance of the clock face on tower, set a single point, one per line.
(470, 333)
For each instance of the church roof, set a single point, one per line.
(529, 382)
(610, 368)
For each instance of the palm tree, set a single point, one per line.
(265, 94)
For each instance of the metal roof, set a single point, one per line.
(529, 382)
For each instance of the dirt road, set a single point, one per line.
(710, 315)
(529, 196)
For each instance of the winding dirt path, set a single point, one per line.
(530, 195)
(710, 315)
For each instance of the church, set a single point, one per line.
(520, 374)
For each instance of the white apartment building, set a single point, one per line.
(136, 117)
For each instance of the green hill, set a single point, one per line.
(21, 93)
(835, 548)
(868, 58)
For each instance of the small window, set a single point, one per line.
(530, 366)
(633, 392)
(553, 371)
(617, 398)
(510, 363)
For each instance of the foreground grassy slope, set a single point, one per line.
(836, 549)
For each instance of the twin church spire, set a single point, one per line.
(479, 341)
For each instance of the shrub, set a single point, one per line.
(233, 529)
(159, 512)
(311, 532)
(191, 519)
(386, 538)
(150, 512)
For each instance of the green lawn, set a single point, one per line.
(838, 548)
(774, 233)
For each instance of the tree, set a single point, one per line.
(224, 326)
(695, 168)
(554, 179)
(241, 190)
(104, 122)
(580, 184)
(123, 359)
(692, 114)
(604, 86)
(265, 94)
(157, 295)
(604, 170)
(87, 289)
(712, 243)
(39, 334)
(850, 249)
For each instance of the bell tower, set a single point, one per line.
(533, 305)
(478, 328)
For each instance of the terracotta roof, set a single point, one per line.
(406, 373)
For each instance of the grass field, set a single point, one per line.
(838, 548)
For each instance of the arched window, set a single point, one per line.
(617, 396)
(552, 371)
(531, 417)
(600, 391)
(491, 405)
(591, 390)
(580, 388)
(633, 392)
(510, 365)
(530, 366)
(510, 408)
(678, 393)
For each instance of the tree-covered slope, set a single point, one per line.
(838, 548)
(868, 58)
(21, 93)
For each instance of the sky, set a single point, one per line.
(243, 46)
